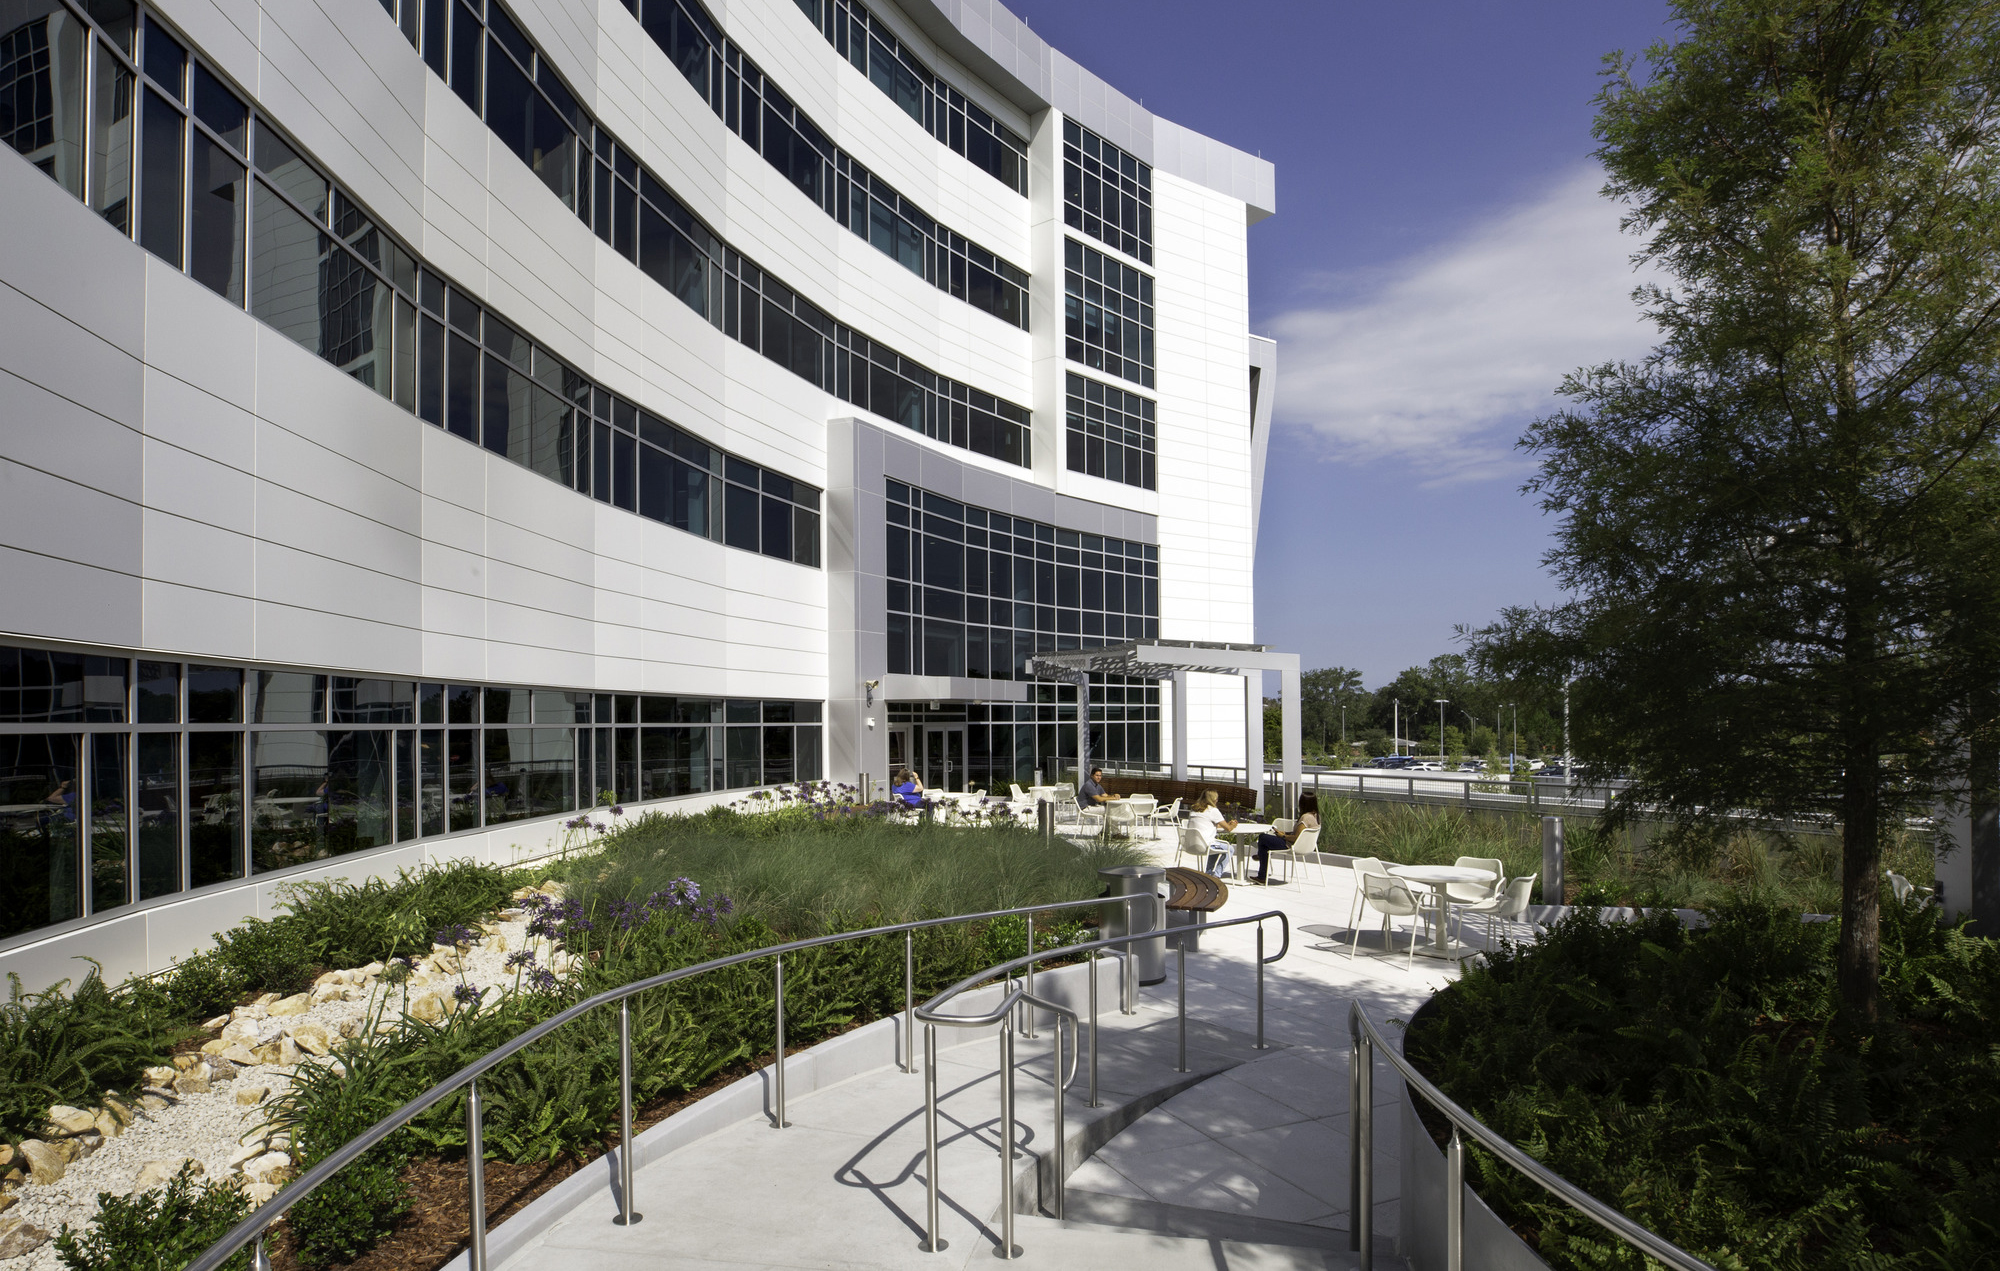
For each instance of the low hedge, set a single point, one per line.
(1695, 1079)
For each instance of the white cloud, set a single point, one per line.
(1441, 364)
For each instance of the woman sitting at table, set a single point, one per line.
(909, 789)
(1269, 843)
(1206, 820)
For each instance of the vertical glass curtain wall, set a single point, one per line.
(125, 779)
(1011, 742)
(863, 39)
(1108, 314)
(499, 72)
(1111, 433)
(221, 194)
(1107, 193)
(975, 593)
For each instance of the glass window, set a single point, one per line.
(553, 706)
(219, 108)
(40, 686)
(288, 697)
(159, 814)
(42, 87)
(158, 693)
(462, 771)
(289, 808)
(216, 220)
(40, 805)
(111, 139)
(358, 701)
(160, 221)
(215, 807)
(430, 779)
(673, 761)
(215, 694)
(530, 772)
(287, 251)
(509, 706)
(166, 60)
(406, 784)
(110, 824)
(744, 757)
(779, 761)
(461, 704)
(359, 767)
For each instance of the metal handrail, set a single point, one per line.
(254, 1227)
(1013, 999)
(1367, 1041)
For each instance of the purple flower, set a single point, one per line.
(542, 980)
(464, 994)
(517, 960)
(454, 936)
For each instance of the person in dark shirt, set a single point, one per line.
(1091, 793)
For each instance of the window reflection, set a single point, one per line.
(110, 835)
(40, 839)
(159, 814)
(215, 807)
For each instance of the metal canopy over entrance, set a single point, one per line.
(1174, 660)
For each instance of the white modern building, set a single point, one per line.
(418, 417)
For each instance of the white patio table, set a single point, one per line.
(1438, 878)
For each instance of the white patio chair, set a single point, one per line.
(1362, 865)
(1505, 905)
(1214, 853)
(1020, 795)
(1390, 898)
(1473, 893)
(1119, 818)
(1304, 848)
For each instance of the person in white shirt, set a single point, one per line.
(1207, 821)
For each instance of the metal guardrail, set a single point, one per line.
(1361, 1164)
(931, 1013)
(254, 1229)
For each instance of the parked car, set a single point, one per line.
(1426, 765)
(1472, 765)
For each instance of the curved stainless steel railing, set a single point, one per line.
(254, 1228)
(1361, 1163)
(931, 1013)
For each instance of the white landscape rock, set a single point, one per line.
(224, 1126)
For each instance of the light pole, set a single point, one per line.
(1396, 726)
(1442, 702)
(1515, 748)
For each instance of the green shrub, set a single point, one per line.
(346, 924)
(163, 1229)
(69, 1049)
(1693, 1078)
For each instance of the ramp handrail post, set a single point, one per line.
(934, 1243)
(626, 1217)
(475, 1160)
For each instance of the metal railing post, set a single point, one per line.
(1008, 1248)
(1353, 1136)
(934, 1243)
(1093, 1028)
(1363, 1218)
(259, 1260)
(1454, 1203)
(778, 1068)
(1060, 1093)
(909, 1002)
(1129, 989)
(1028, 1007)
(1260, 986)
(475, 1159)
(1180, 961)
(626, 1216)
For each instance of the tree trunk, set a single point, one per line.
(1983, 794)
(1860, 955)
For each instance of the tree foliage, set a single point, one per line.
(1779, 530)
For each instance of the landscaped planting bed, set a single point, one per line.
(1696, 1080)
(408, 999)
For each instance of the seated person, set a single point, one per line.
(1091, 793)
(1268, 843)
(1207, 821)
(909, 789)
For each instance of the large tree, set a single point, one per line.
(1778, 531)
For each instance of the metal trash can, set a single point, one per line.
(1138, 880)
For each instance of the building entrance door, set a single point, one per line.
(944, 757)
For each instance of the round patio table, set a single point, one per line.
(1438, 878)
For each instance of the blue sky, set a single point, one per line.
(1439, 259)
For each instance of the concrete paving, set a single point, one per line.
(1242, 1161)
